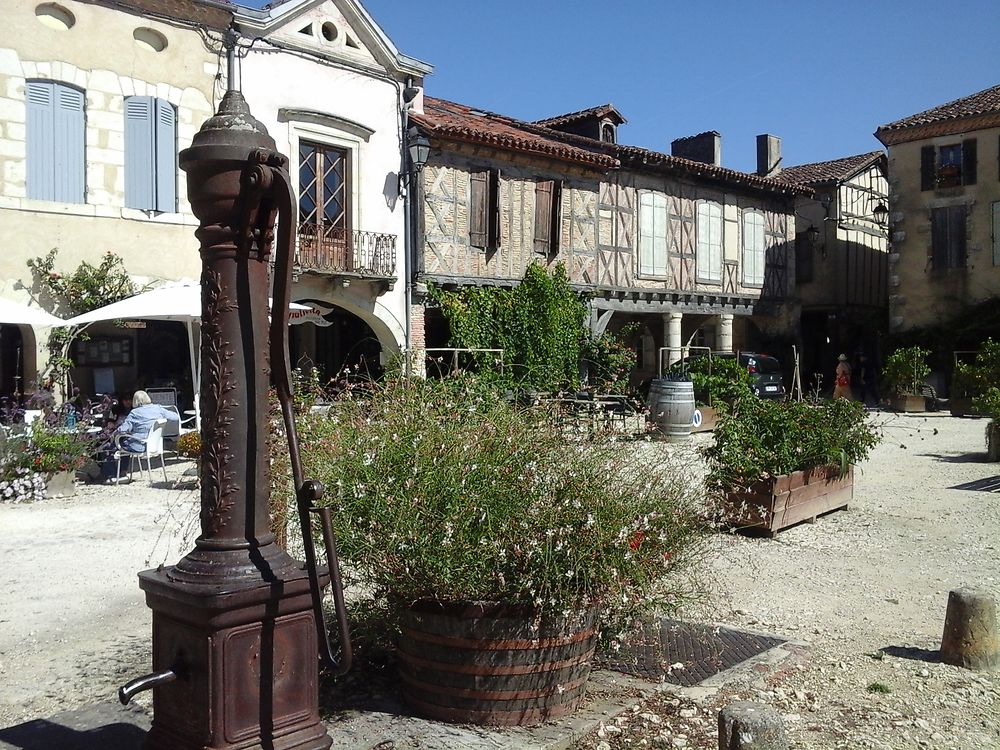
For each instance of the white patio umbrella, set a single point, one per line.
(16, 314)
(180, 302)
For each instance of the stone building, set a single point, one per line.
(842, 259)
(691, 251)
(944, 209)
(98, 97)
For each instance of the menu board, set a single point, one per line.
(103, 351)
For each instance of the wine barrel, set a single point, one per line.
(671, 407)
(494, 664)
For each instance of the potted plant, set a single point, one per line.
(776, 463)
(717, 381)
(502, 547)
(904, 373)
(45, 454)
(988, 404)
(971, 380)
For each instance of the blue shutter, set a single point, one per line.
(41, 166)
(166, 156)
(139, 183)
(69, 129)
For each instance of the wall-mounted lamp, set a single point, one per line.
(881, 214)
(418, 147)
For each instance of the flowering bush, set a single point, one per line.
(189, 444)
(20, 485)
(445, 490)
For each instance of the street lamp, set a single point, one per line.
(881, 214)
(418, 147)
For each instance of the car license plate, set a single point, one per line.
(770, 388)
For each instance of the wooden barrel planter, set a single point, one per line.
(777, 503)
(671, 407)
(494, 664)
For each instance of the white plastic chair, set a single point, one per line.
(153, 449)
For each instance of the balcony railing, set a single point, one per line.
(336, 250)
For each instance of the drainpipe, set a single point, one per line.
(407, 180)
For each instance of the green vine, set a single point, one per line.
(83, 290)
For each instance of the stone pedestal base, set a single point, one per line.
(970, 637)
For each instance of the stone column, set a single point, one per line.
(970, 637)
(724, 333)
(672, 336)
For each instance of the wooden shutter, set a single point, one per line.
(956, 236)
(478, 193)
(927, 158)
(969, 162)
(493, 211)
(543, 217)
(948, 237)
(995, 213)
(68, 129)
(555, 233)
(646, 231)
(40, 99)
(166, 156)
(140, 185)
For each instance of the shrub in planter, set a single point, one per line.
(33, 458)
(718, 380)
(904, 373)
(762, 440)
(474, 517)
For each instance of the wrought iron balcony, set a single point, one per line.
(325, 249)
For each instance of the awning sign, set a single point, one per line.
(313, 315)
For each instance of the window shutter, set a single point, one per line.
(543, 217)
(493, 211)
(166, 156)
(68, 145)
(139, 148)
(555, 234)
(969, 162)
(939, 238)
(41, 157)
(996, 232)
(927, 168)
(803, 259)
(659, 235)
(646, 222)
(956, 236)
(477, 208)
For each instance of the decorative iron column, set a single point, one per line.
(236, 621)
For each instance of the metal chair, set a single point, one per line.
(153, 448)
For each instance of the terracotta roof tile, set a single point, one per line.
(450, 120)
(828, 171)
(457, 121)
(601, 110)
(984, 102)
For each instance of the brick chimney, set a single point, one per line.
(768, 155)
(705, 147)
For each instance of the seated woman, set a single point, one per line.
(135, 427)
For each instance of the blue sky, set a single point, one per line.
(821, 76)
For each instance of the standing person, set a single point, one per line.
(867, 378)
(842, 379)
(136, 427)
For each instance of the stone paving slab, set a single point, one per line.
(105, 726)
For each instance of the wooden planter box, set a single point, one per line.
(709, 416)
(783, 501)
(961, 406)
(908, 403)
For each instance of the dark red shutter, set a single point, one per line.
(543, 217)
(556, 216)
(493, 211)
(956, 235)
(969, 162)
(927, 168)
(478, 208)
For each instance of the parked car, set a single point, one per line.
(765, 370)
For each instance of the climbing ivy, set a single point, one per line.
(83, 290)
(538, 324)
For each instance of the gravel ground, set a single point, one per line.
(862, 593)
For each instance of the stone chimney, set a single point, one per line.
(768, 155)
(704, 147)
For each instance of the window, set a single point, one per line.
(753, 248)
(150, 154)
(608, 133)
(948, 237)
(709, 252)
(484, 209)
(548, 200)
(995, 212)
(952, 165)
(325, 206)
(55, 142)
(652, 234)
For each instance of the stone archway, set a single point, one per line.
(338, 342)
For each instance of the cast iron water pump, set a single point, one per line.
(237, 623)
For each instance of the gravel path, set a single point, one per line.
(863, 591)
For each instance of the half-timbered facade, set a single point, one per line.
(842, 258)
(692, 252)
